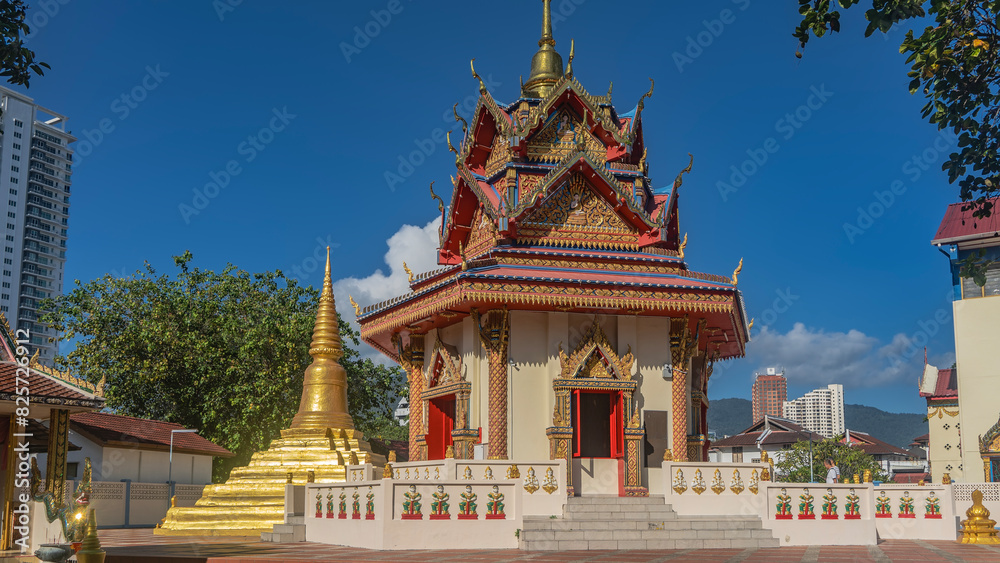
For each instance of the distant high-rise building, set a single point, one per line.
(770, 391)
(820, 411)
(35, 170)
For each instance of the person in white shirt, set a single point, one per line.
(832, 473)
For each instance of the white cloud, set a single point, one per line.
(417, 246)
(854, 359)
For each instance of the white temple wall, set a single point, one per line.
(976, 327)
(652, 351)
(530, 394)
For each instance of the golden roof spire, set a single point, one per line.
(546, 65)
(326, 334)
(324, 388)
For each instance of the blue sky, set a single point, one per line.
(301, 108)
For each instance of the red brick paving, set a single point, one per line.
(141, 546)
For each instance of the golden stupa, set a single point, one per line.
(978, 528)
(319, 444)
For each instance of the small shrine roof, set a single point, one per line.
(939, 383)
(44, 388)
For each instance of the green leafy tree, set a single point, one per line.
(223, 352)
(794, 466)
(955, 64)
(17, 62)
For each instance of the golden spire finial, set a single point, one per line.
(408, 271)
(482, 87)
(326, 334)
(465, 124)
(91, 543)
(324, 388)
(546, 65)
(649, 94)
(750, 326)
(683, 246)
(438, 198)
(572, 55)
(357, 308)
(611, 86)
(737, 271)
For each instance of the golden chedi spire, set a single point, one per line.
(324, 388)
(546, 65)
(317, 447)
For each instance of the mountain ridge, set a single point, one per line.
(733, 415)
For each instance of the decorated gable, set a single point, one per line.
(575, 215)
(563, 135)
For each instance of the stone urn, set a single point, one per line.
(54, 552)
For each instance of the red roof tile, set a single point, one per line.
(945, 386)
(910, 477)
(923, 439)
(778, 437)
(872, 445)
(113, 429)
(958, 225)
(42, 385)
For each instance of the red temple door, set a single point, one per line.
(440, 423)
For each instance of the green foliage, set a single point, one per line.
(975, 266)
(955, 65)
(794, 466)
(221, 352)
(17, 62)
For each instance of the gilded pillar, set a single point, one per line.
(463, 438)
(560, 435)
(494, 334)
(412, 360)
(55, 470)
(634, 434)
(7, 535)
(679, 336)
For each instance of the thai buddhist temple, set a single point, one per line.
(317, 447)
(564, 321)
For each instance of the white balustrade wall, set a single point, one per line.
(381, 521)
(714, 488)
(928, 512)
(543, 482)
(795, 519)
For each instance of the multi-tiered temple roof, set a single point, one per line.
(552, 209)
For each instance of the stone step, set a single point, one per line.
(613, 499)
(300, 519)
(625, 535)
(285, 533)
(637, 524)
(662, 513)
(642, 544)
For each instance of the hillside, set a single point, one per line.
(731, 416)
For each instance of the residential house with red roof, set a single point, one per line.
(977, 331)
(124, 447)
(777, 435)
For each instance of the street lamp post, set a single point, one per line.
(170, 470)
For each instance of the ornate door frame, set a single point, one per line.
(444, 377)
(595, 366)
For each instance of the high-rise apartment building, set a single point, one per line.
(770, 391)
(35, 176)
(820, 411)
